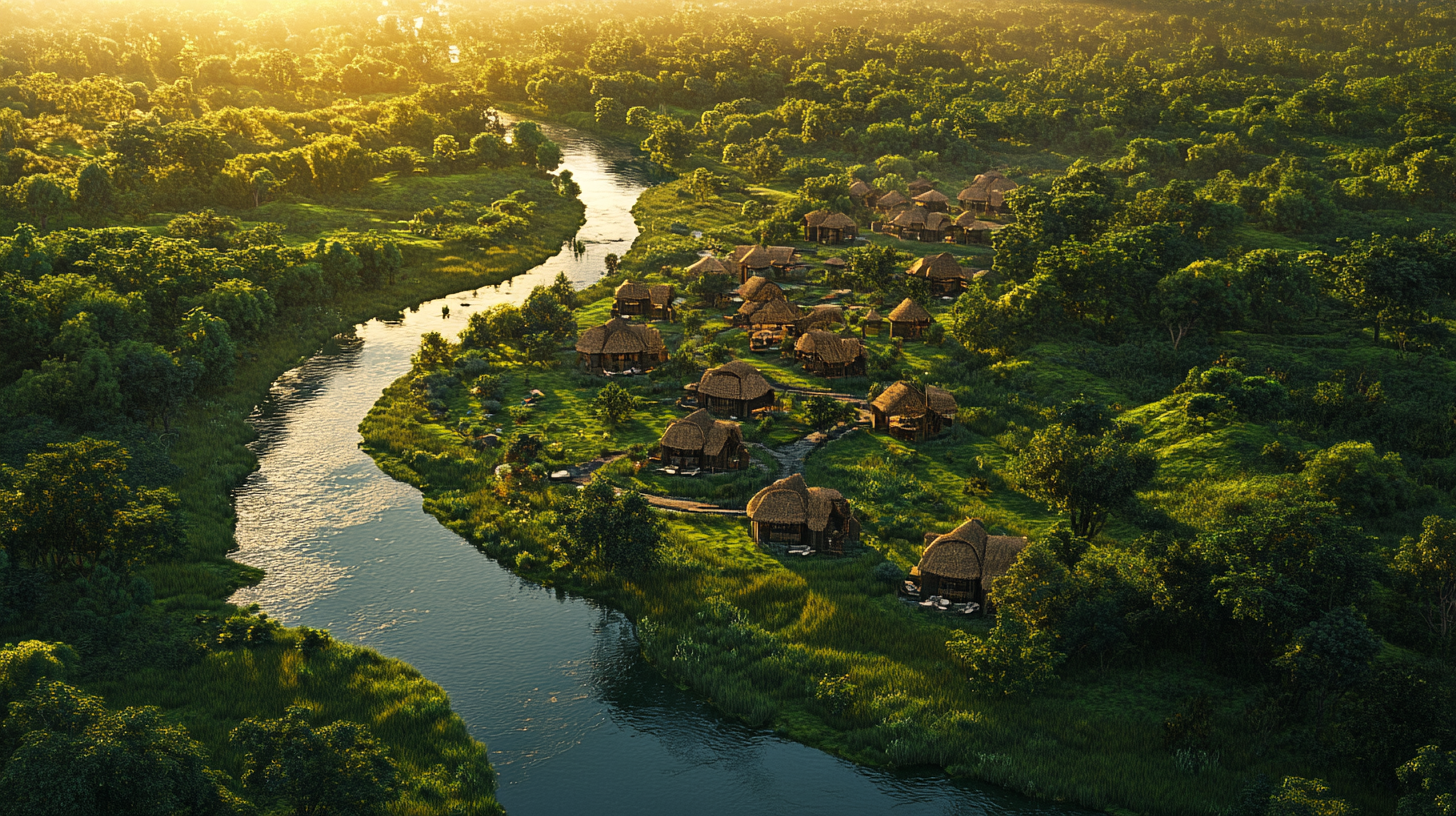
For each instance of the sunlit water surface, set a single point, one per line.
(575, 720)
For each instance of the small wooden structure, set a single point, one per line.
(891, 200)
(919, 186)
(778, 315)
(698, 440)
(968, 229)
(829, 355)
(905, 412)
(871, 323)
(933, 200)
(862, 193)
(986, 193)
(734, 389)
(942, 271)
(961, 565)
(789, 512)
(827, 227)
(766, 340)
(631, 299)
(707, 265)
(750, 260)
(909, 320)
(618, 345)
(759, 289)
(919, 224)
(819, 317)
(662, 296)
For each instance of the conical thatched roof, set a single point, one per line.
(938, 221)
(893, 198)
(736, 381)
(829, 347)
(983, 185)
(918, 186)
(617, 336)
(967, 553)
(859, 189)
(900, 399)
(791, 501)
(631, 290)
(708, 265)
(872, 316)
(699, 431)
(824, 314)
(932, 197)
(774, 312)
(835, 262)
(838, 221)
(940, 266)
(760, 288)
(909, 312)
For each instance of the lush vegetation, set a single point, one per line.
(1208, 375)
(174, 234)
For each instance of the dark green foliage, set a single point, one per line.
(1086, 476)
(338, 768)
(620, 532)
(1430, 782)
(1330, 657)
(614, 404)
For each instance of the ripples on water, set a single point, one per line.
(553, 684)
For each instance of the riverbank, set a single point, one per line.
(760, 635)
(441, 765)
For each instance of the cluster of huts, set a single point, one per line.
(924, 215)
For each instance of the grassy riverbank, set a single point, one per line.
(756, 633)
(442, 767)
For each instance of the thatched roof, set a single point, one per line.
(791, 501)
(815, 218)
(699, 431)
(708, 265)
(968, 553)
(829, 347)
(940, 266)
(736, 380)
(938, 221)
(835, 262)
(753, 256)
(822, 315)
(631, 290)
(904, 399)
(859, 189)
(910, 217)
(968, 220)
(909, 312)
(838, 221)
(917, 186)
(662, 294)
(872, 316)
(781, 255)
(893, 198)
(617, 336)
(933, 197)
(775, 312)
(984, 185)
(760, 288)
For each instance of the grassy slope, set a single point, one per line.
(1094, 739)
(409, 713)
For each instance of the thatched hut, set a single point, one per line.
(862, 193)
(631, 299)
(833, 228)
(970, 230)
(760, 289)
(819, 317)
(942, 271)
(783, 258)
(962, 564)
(662, 296)
(750, 260)
(618, 345)
(766, 340)
(707, 265)
(986, 193)
(919, 186)
(790, 512)
(933, 200)
(758, 315)
(919, 224)
(909, 320)
(734, 389)
(829, 355)
(905, 412)
(890, 200)
(871, 323)
(698, 440)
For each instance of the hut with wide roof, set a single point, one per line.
(933, 200)
(890, 200)
(819, 317)
(760, 289)
(909, 320)
(986, 193)
(829, 227)
(662, 296)
(698, 440)
(734, 389)
(776, 314)
(619, 345)
(871, 323)
(968, 229)
(942, 271)
(750, 260)
(919, 224)
(905, 412)
(919, 186)
(707, 265)
(829, 355)
(790, 512)
(962, 565)
(862, 193)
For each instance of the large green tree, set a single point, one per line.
(1086, 476)
(338, 768)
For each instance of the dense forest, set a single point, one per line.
(1208, 373)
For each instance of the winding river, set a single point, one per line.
(574, 719)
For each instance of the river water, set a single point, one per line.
(574, 719)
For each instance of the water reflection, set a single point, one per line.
(553, 684)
